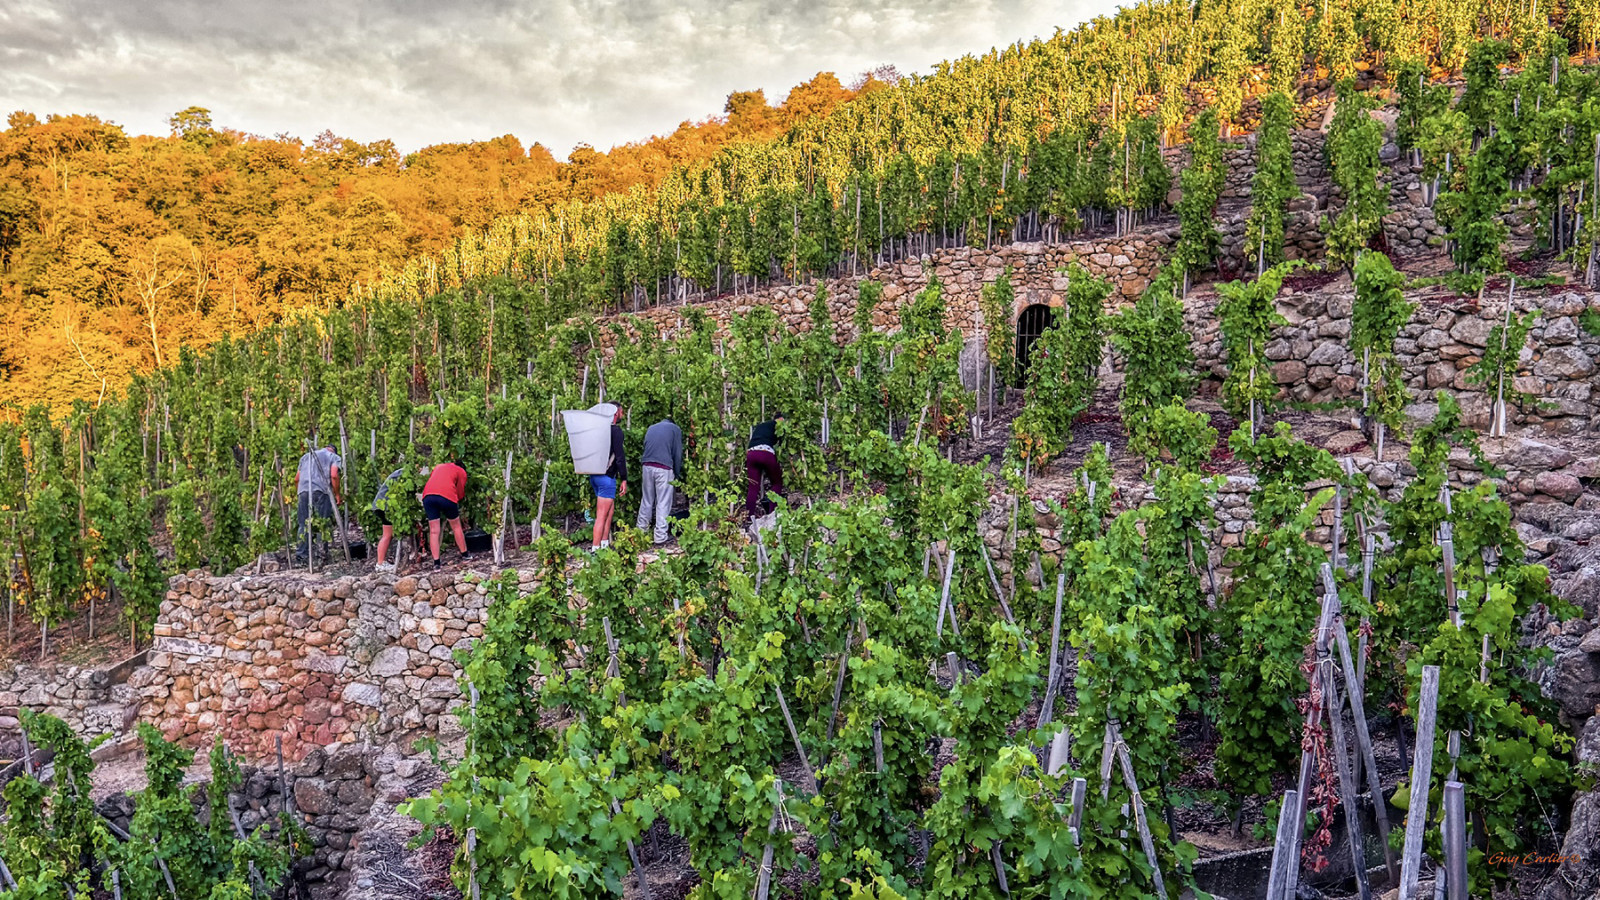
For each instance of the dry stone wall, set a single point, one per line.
(314, 662)
(329, 791)
(1037, 276)
(1312, 360)
(1129, 261)
(89, 699)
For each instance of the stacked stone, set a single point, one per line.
(83, 697)
(1311, 357)
(314, 662)
(331, 791)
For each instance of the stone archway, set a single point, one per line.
(1031, 323)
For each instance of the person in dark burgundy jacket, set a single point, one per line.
(761, 461)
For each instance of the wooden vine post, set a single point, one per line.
(1421, 777)
(1325, 704)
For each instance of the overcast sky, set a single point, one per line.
(422, 72)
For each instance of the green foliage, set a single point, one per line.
(1062, 371)
(1173, 432)
(996, 300)
(1266, 623)
(1589, 319)
(1473, 215)
(1418, 101)
(1513, 759)
(870, 294)
(1354, 140)
(1129, 645)
(185, 526)
(53, 833)
(1380, 311)
(1158, 362)
(1201, 183)
(1502, 357)
(1287, 54)
(55, 842)
(1248, 315)
(1274, 184)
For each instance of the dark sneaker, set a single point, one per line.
(466, 556)
(437, 565)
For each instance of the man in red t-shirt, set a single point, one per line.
(441, 499)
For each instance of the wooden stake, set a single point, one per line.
(1347, 784)
(1365, 755)
(1421, 774)
(764, 874)
(1060, 753)
(805, 762)
(1105, 764)
(1283, 849)
(1047, 711)
(1138, 812)
(1447, 544)
(944, 597)
(998, 593)
(1075, 820)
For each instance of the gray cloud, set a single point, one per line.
(422, 72)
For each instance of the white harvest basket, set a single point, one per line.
(589, 437)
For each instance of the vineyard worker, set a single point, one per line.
(441, 499)
(380, 512)
(761, 460)
(610, 486)
(317, 483)
(662, 464)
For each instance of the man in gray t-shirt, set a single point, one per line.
(662, 465)
(317, 484)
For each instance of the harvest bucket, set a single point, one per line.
(589, 437)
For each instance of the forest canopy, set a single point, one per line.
(117, 249)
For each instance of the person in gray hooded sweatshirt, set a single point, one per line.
(663, 464)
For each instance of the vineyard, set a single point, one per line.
(953, 665)
(853, 704)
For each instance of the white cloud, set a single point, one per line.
(555, 71)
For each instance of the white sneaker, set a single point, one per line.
(384, 567)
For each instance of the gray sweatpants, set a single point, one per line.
(655, 501)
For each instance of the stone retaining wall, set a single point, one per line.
(1129, 260)
(86, 698)
(331, 793)
(1553, 493)
(1446, 336)
(316, 662)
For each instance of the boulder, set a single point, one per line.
(1572, 679)
(312, 796)
(1561, 331)
(1472, 331)
(1290, 371)
(389, 662)
(363, 694)
(1559, 485)
(1564, 363)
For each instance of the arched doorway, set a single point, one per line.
(1030, 325)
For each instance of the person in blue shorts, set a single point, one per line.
(610, 486)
